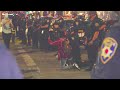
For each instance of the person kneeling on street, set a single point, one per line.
(62, 55)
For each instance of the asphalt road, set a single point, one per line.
(36, 64)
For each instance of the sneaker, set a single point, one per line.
(56, 56)
(66, 64)
(77, 66)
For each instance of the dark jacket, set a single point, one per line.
(108, 62)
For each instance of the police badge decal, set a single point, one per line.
(108, 49)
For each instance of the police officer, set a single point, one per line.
(58, 33)
(45, 33)
(93, 37)
(14, 30)
(51, 34)
(30, 30)
(104, 29)
(22, 27)
(61, 22)
(107, 64)
(35, 34)
(70, 30)
(77, 25)
(18, 33)
(83, 23)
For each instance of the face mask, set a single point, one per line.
(6, 15)
(81, 34)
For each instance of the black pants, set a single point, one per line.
(29, 36)
(17, 31)
(53, 38)
(23, 36)
(76, 56)
(44, 41)
(6, 38)
(35, 38)
(13, 35)
(92, 54)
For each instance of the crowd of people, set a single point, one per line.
(52, 34)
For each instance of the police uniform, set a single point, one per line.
(58, 32)
(103, 32)
(61, 23)
(69, 27)
(30, 30)
(45, 34)
(13, 35)
(18, 28)
(108, 62)
(22, 26)
(14, 30)
(77, 27)
(93, 27)
(35, 34)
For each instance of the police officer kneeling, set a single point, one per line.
(108, 62)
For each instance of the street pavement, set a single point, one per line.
(36, 64)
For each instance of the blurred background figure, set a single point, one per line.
(22, 29)
(7, 29)
(30, 30)
(8, 66)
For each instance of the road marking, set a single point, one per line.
(29, 61)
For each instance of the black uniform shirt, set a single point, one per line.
(93, 26)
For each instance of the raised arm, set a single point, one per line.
(55, 43)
